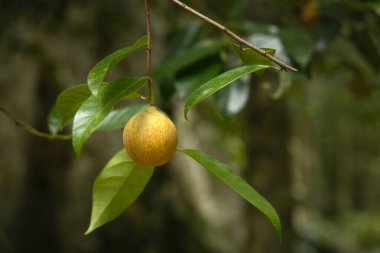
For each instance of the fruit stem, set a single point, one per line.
(283, 65)
(148, 54)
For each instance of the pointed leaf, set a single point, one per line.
(218, 83)
(88, 118)
(251, 57)
(134, 95)
(67, 104)
(117, 186)
(120, 88)
(92, 112)
(231, 179)
(101, 69)
(119, 117)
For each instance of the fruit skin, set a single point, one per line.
(150, 137)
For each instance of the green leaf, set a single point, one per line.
(88, 118)
(251, 57)
(67, 104)
(101, 69)
(92, 112)
(298, 45)
(119, 117)
(134, 95)
(218, 83)
(231, 179)
(120, 89)
(187, 58)
(116, 187)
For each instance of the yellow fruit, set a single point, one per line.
(150, 138)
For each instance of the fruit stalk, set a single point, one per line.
(149, 53)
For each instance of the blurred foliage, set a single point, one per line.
(332, 104)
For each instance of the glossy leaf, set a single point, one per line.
(119, 117)
(134, 95)
(67, 104)
(120, 89)
(218, 83)
(88, 118)
(232, 180)
(92, 112)
(187, 58)
(116, 187)
(251, 57)
(101, 69)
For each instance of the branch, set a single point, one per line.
(148, 53)
(32, 130)
(234, 36)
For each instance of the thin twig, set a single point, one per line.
(32, 130)
(233, 35)
(148, 53)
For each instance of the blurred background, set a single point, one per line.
(308, 141)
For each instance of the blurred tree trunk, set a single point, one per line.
(46, 193)
(269, 168)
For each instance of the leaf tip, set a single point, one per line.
(77, 150)
(185, 115)
(186, 112)
(89, 230)
(279, 232)
(77, 145)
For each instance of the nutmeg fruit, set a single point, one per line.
(150, 137)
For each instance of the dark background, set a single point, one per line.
(313, 152)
